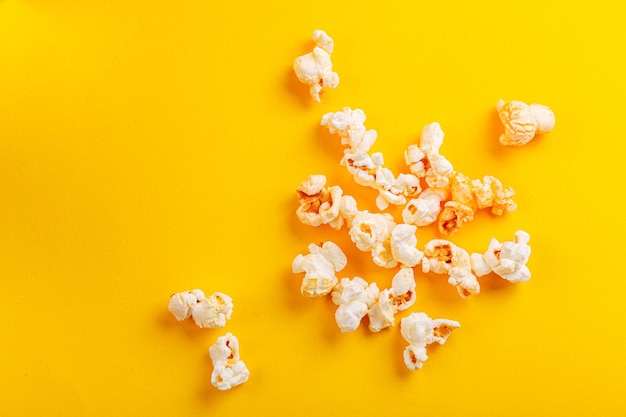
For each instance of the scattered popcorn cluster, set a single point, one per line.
(212, 312)
(432, 192)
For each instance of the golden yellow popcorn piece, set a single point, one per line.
(315, 68)
(228, 368)
(419, 331)
(319, 266)
(453, 216)
(522, 121)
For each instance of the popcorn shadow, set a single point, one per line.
(297, 89)
(492, 282)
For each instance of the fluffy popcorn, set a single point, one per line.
(416, 160)
(350, 126)
(315, 69)
(522, 121)
(480, 194)
(213, 311)
(395, 190)
(320, 205)
(404, 245)
(453, 216)
(419, 331)
(182, 303)
(431, 138)
(371, 232)
(399, 297)
(424, 209)
(354, 298)
(319, 266)
(444, 257)
(508, 259)
(228, 368)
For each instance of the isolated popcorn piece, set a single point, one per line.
(353, 297)
(522, 121)
(182, 303)
(228, 368)
(350, 126)
(444, 257)
(419, 331)
(507, 259)
(315, 69)
(424, 209)
(213, 311)
(319, 266)
(320, 205)
(399, 297)
(404, 245)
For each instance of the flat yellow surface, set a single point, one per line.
(148, 148)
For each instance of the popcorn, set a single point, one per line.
(371, 232)
(453, 216)
(444, 257)
(508, 259)
(213, 311)
(522, 121)
(419, 331)
(350, 126)
(404, 245)
(319, 266)
(228, 369)
(354, 298)
(207, 312)
(399, 297)
(181, 303)
(425, 209)
(315, 68)
(320, 205)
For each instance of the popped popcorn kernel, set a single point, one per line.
(315, 68)
(453, 216)
(522, 121)
(404, 245)
(371, 232)
(228, 368)
(424, 209)
(399, 297)
(182, 303)
(349, 124)
(323, 205)
(319, 266)
(444, 257)
(507, 259)
(213, 311)
(354, 297)
(419, 331)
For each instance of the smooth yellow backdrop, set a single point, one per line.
(148, 148)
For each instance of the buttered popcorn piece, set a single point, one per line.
(444, 257)
(320, 205)
(507, 259)
(182, 303)
(419, 331)
(320, 267)
(354, 297)
(522, 121)
(228, 368)
(213, 311)
(315, 69)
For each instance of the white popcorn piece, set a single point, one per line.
(431, 138)
(424, 209)
(319, 266)
(350, 126)
(404, 245)
(507, 259)
(419, 331)
(228, 368)
(323, 205)
(444, 257)
(522, 121)
(213, 311)
(354, 298)
(371, 232)
(182, 303)
(399, 297)
(416, 160)
(315, 69)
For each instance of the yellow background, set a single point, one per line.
(148, 148)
